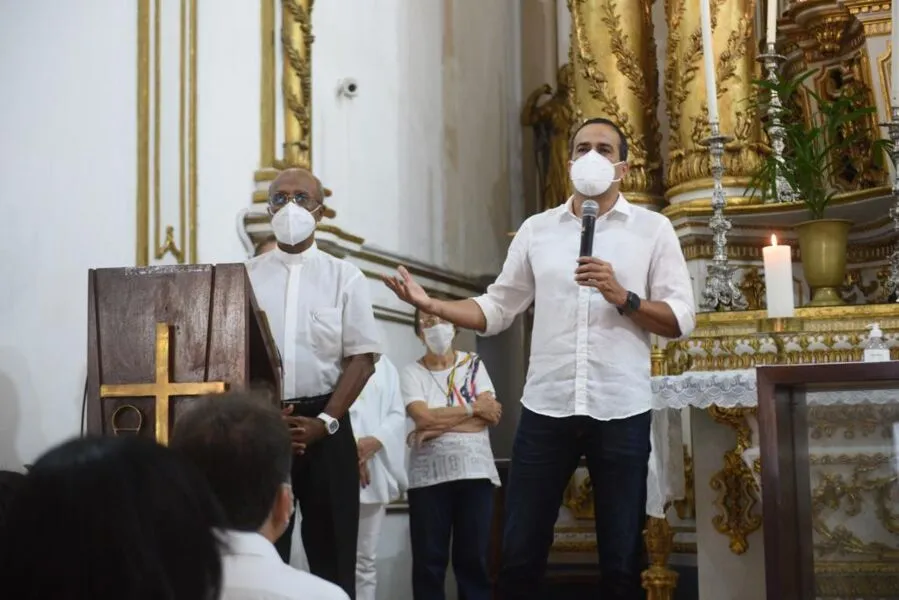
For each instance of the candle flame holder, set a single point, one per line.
(892, 283)
(721, 293)
(783, 191)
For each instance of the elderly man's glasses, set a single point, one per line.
(278, 201)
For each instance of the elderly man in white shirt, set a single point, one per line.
(319, 313)
(379, 422)
(588, 384)
(239, 443)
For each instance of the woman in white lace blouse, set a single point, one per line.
(450, 397)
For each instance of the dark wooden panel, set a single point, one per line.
(208, 308)
(783, 441)
(229, 345)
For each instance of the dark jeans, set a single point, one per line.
(459, 509)
(545, 454)
(326, 484)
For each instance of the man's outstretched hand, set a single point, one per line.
(406, 289)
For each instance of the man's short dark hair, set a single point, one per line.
(240, 443)
(622, 140)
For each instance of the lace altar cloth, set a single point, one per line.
(726, 389)
(731, 389)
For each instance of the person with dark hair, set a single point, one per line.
(118, 518)
(452, 474)
(243, 448)
(10, 483)
(320, 314)
(588, 385)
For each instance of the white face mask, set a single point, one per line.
(439, 338)
(293, 224)
(593, 174)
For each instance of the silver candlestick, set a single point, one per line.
(783, 191)
(721, 293)
(892, 283)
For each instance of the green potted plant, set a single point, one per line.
(816, 147)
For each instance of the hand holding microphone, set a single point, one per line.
(591, 271)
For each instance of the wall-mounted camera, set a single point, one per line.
(348, 88)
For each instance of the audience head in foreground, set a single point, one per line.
(243, 447)
(240, 443)
(112, 517)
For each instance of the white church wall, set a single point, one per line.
(228, 129)
(425, 159)
(68, 179)
(67, 189)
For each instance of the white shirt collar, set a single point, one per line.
(621, 206)
(289, 258)
(248, 543)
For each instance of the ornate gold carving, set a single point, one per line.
(616, 77)
(834, 492)
(687, 107)
(857, 420)
(686, 508)
(296, 81)
(850, 78)
(735, 484)
(552, 121)
(829, 29)
(858, 291)
(578, 498)
(163, 389)
(753, 288)
(181, 246)
(658, 580)
(746, 339)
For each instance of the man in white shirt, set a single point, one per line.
(241, 446)
(319, 312)
(588, 385)
(379, 422)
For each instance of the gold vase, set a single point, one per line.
(822, 248)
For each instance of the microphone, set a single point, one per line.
(589, 210)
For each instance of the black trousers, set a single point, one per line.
(326, 484)
(545, 454)
(457, 511)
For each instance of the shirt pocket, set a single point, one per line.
(326, 333)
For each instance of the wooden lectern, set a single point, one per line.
(157, 335)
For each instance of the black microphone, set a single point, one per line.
(589, 210)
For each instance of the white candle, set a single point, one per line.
(894, 62)
(708, 57)
(778, 279)
(771, 28)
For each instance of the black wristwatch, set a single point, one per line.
(631, 304)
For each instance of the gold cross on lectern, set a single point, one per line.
(163, 388)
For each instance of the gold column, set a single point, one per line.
(658, 580)
(296, 82)
(734, 41)
(295, 43)
(614, 56)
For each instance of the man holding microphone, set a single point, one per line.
(588, 385)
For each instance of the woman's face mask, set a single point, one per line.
(439, 338)
(593, 174)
